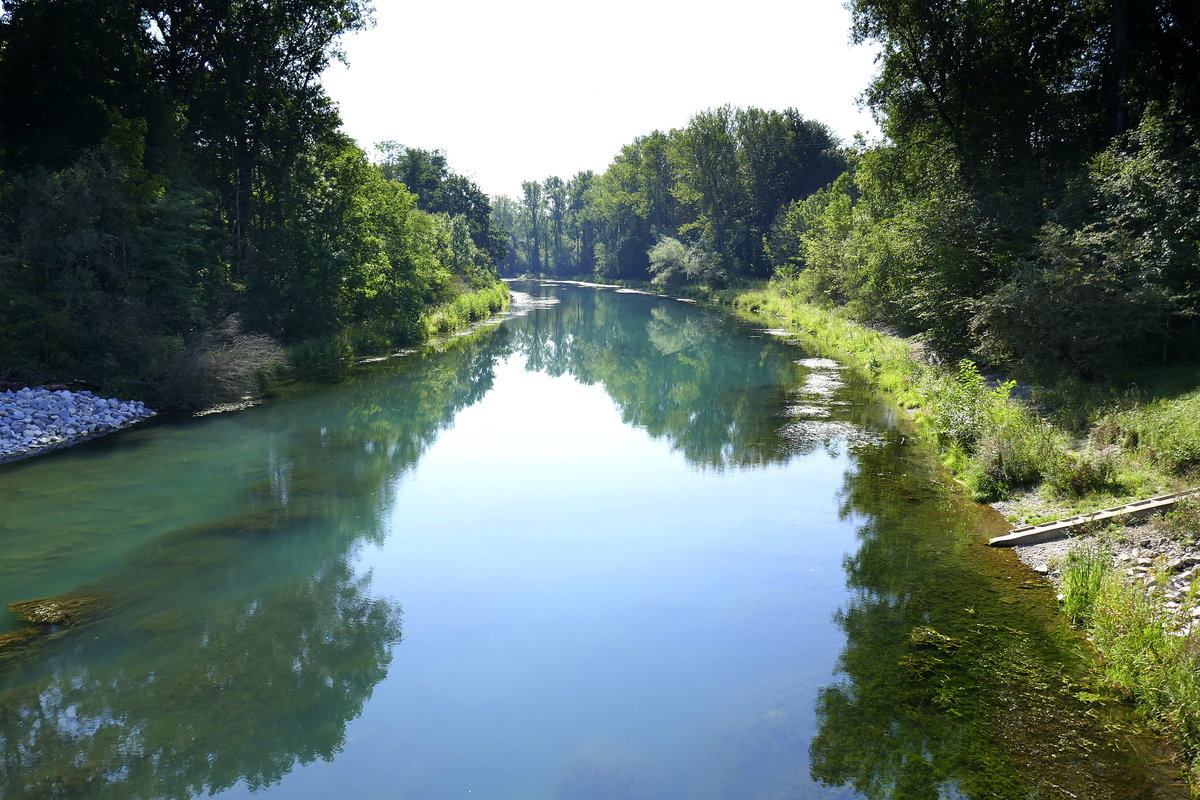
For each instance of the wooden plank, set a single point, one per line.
(1046, 531)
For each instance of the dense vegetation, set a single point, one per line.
(713, 188)
(1037, 199)
(165, 167)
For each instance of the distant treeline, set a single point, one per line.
(166, 166)
(1035, 202)
(715, 186)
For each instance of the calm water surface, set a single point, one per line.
(617, 547)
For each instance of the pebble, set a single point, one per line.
(41, 419)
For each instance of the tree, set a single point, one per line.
(534, 209)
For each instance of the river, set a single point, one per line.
(616, 547)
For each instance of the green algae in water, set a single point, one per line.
(64, 609)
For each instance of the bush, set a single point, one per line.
(1148, 659)
(672, 262)
(1168, 431)
(1016, 451)
(961, 406)
(224, 365)
(1081, 474)
(467, 308)
(1183, 522)
(323, 360)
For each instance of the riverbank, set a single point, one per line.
(1134, 589)
(37, 420)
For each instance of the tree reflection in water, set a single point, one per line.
(722, 398)
(242, 647)
(944, 690)
(238, 648)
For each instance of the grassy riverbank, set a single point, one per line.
(1052, 451)
(1068, 446)
(330, 359)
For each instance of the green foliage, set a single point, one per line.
(1148, 659)
(1166, 431)
(1082, 474)
(1183, 522)
(965, 405)
(1017, 451)
(1086, 574)
(324, 360)
(439, 190)
(720, 182)
(672, 263)
(992, 442)
(164, 169)
(1034, 204)
(466, 308)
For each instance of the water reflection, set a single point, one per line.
(722, 398)
(229, 652)
(944, 691)
(669, 646)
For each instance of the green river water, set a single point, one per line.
(615, 547)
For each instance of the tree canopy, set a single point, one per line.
(163, 166)
(718, 184)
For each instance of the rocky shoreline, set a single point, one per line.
(1144, 553)
(37, 420)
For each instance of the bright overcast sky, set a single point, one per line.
(524, 89)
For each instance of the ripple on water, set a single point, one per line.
(819, 363)
(523, 303)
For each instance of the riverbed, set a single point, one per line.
(617, 546)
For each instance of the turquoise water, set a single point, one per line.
(615, 547)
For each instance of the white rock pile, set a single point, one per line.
(37, 419)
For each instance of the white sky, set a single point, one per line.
(524, 89)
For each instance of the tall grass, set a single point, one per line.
(466, 308)
(1166, 431)
(1149, 660)
(1146, 654)
(1086, 573)
(991, 442)
(994, 443)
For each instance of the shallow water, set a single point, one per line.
(616, 547)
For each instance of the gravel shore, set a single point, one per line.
(1145, 552)
(33, 421)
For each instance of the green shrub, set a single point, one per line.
(323, 360)
(1167, 432)
(1016, 451)
(964, 408)
(1183, 521)
(1148, 659)
(367, 340)
(1083, 474)
(466, 308)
